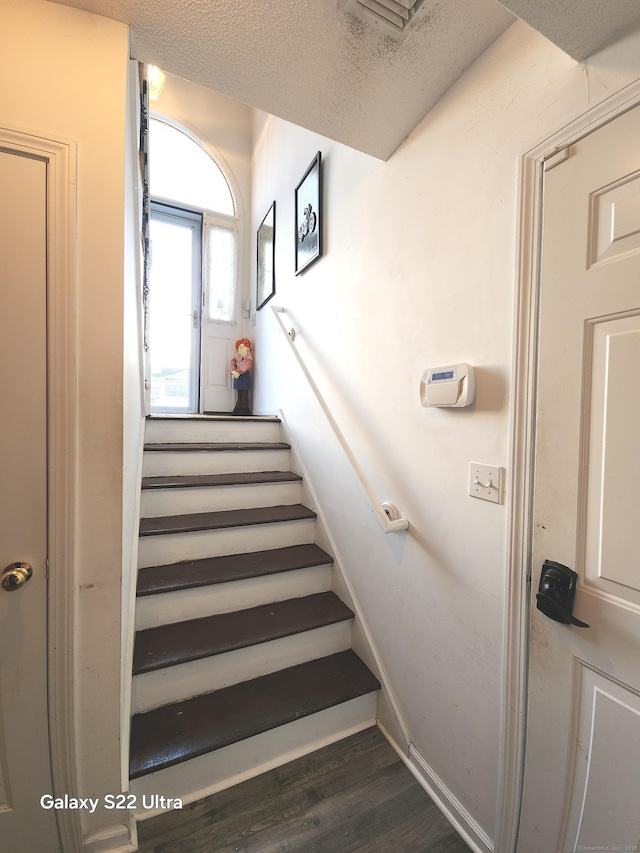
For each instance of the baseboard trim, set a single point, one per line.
(116, 839)
(448, 803)
(445, 799)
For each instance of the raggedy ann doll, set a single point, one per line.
(240, 368)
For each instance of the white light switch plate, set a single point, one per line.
(485, 482)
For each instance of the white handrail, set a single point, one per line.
(387, 513)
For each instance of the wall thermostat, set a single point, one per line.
(454, 386)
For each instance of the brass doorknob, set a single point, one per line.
(15, 576)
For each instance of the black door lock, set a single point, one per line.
(556, 593)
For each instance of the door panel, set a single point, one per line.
(613, 476)
(615, 220)
(605, 759)
(217, 352)
(583, 753)
(24, 746)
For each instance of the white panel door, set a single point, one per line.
(582, 774)
(217, 351)
(24, 745)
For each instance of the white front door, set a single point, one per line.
(24, 744)
(174, 308)
(191, 285)
(582, 773)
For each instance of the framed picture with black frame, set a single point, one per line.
(308, 216)
(266, 268)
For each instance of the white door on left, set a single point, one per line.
(24, 744)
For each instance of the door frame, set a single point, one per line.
(522, 449)
(59, 155)
(163, 210)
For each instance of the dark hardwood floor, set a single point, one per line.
(355, 795)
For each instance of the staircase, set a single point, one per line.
(242, 657)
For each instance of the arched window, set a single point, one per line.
(180, 170)
(194, 238)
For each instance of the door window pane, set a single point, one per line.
(173, 321)
(220, 274)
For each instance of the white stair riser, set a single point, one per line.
(173, 547)
(161, 430)
(161, 463)
(200, 777)
(159, 502)
(174, 683)
(170, 607)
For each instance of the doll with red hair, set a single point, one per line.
(240, 368)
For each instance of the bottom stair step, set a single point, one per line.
(174, 733)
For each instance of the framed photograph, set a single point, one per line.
(266, 270)
(308, 213)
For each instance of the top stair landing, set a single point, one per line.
(210, 428)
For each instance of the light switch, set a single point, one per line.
(485, 482)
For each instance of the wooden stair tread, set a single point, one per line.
(223, 519)
(230, 567)
(168, 645)
(216, 446)
(213, 416)
(173, 733)
(206, 480)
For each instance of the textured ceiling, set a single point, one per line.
(319, 67)
(310, 63)
(579, 27)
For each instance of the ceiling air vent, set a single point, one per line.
(392, 17)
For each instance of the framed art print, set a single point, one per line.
(308, 213)
(266, 276)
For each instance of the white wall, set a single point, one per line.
(64, 76)
(420, 270)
